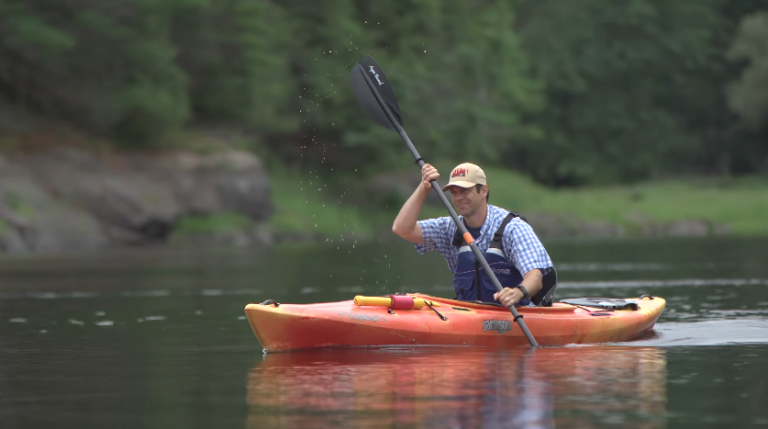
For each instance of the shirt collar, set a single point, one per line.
(490, 215)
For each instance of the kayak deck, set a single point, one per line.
(298, 326)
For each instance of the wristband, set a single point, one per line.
(523, 290)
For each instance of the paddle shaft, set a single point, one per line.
(478, 254)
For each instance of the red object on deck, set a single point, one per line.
(402, 302)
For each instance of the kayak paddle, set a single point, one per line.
(376, 96)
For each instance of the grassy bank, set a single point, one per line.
(307, 203)
(741, 204)
(736, 206)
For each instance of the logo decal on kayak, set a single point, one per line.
(497, 325)
(362, 317)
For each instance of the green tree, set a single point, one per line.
(613, 75)
(109, 67)
(234, 54)
(748, 97)
(459, 73)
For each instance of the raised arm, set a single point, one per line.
(406, 223)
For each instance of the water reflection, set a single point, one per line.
(456, 387)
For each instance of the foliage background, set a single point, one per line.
(569, 92)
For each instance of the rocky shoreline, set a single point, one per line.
(70, 199)
(67, 199)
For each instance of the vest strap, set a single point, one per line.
(499, 234)
(458, 239)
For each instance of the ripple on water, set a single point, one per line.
(708, 333)
(153, 318)
(662, 283)
(725, 314)
(623, 266)
(350, 289)
(146, 293)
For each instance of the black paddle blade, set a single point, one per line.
(368, 80)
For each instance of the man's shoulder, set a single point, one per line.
(499, 214)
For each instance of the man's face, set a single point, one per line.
(468, 201)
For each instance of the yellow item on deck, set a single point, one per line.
(385, 301)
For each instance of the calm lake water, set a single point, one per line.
(158, 338)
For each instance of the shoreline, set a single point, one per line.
(65, 199)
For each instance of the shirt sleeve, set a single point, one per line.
(436, 235)
(523, 247)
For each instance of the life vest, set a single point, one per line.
(470, 280)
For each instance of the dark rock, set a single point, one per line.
(694, 228)
(39, 221)
(598, 229)
(73, 199)
(10, 240)
(721, 229)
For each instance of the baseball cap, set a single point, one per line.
(466, 175)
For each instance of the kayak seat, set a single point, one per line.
(546, 295)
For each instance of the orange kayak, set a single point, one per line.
(440, 321)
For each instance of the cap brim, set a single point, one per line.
(464, 185)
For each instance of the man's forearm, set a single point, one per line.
(532, 281)
(405, 224)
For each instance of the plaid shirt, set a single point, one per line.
(521, 245)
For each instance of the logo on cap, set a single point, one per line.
(459, 172)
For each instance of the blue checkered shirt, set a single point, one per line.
(521, 245)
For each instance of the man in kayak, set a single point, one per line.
(509, 244)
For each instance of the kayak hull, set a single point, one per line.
(338, 324)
